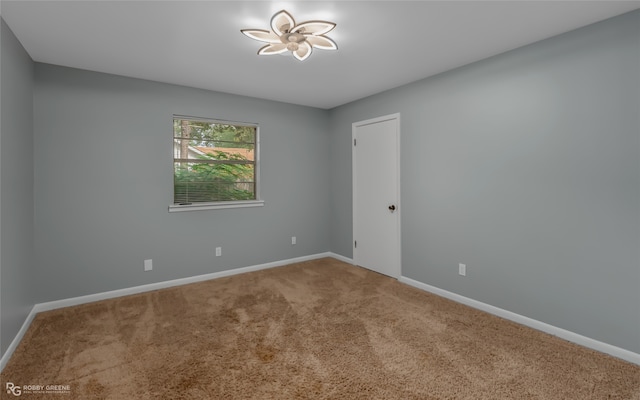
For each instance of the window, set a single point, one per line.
(215, 164)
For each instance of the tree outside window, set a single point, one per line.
(214, 161)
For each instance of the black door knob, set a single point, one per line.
(392, 207)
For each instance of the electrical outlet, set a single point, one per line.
(462, 269)
(293, 240)
(148, 265)
(218, 251)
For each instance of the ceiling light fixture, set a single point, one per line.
(299, 39)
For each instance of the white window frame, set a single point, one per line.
(257, 202)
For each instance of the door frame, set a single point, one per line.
(354, 126)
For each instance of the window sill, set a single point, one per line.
(215, 206)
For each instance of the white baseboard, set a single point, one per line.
(16, 340)
(532, 323)
(341, 258)
(74, 301)
(52, 305)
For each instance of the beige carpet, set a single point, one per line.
(316, 330)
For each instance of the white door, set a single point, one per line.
(376, 194)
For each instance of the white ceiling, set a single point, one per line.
(382, 44)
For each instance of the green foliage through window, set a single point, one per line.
(213, 161)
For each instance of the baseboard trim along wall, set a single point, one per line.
(531, 323)
(74, 301)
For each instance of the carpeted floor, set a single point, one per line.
(321, 329)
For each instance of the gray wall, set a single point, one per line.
(104, 176)
(526, 167)
(16, 187)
